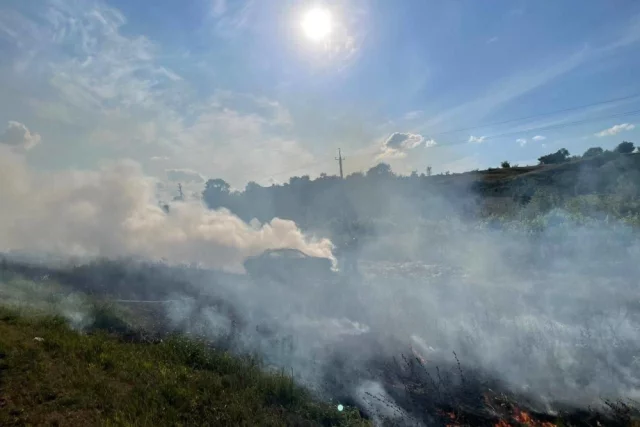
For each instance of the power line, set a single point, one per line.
(535, 116)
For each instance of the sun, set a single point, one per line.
(317, 24)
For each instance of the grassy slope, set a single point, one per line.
(499, 181)
(83, 380)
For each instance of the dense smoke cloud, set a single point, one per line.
(113, 212)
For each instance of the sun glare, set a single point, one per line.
(317, 24)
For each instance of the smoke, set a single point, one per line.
(552, 315)
(112, 212)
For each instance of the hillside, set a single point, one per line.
(578, 176)
(51, 375)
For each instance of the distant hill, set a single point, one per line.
(575, 177)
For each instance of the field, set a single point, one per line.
(122, 364)
(52, 375)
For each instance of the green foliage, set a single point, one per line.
(505, 164)
(380, 170)
(72, 379)
(625, 147)
(543, 201)
(560, 156)
(217, 193)
(592, 152)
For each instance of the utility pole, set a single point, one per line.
(340, 159)
(428, 170)
(180, 190)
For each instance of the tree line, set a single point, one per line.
(331, 204)
(563, 155)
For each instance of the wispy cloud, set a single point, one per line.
(476, 139)
(616, 129)
(184, 176)
(412, 115)
(113, 91)
(232, 21)
(218, 7)
(537, 138)
(106, 68)
(17, 135)
(492, 40)
(540, 73)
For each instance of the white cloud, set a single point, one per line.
(19, 136)
(399, 143)
(430, 143)
(477, 139)
(521, 141)
(614, 130)
(406, 141)
(539, 138)
(184, 176)
(113, 91)
(492, 40)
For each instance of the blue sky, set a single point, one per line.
(234, 89)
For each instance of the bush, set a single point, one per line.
(625, 147)
(560, 156)
(505, 165)
(593, 152)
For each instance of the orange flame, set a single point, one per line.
(522, 417)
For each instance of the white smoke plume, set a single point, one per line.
(112, 212)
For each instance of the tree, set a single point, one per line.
(593, 152)
(505, 164)
(217, 185)
(625, 147)
(559, 156)
(380, 170)
(252, 187)
(216, 193)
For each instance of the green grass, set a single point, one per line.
(71, 379)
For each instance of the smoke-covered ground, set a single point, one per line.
(551, 316)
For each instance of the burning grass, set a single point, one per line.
(451, 397)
